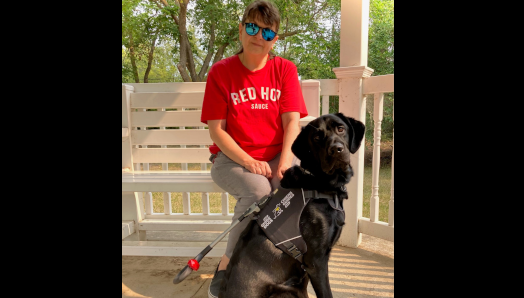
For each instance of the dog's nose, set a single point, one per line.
(336, 148)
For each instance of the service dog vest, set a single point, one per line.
(280, 216)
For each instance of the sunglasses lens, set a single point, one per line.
(251, 29)
(268, 34)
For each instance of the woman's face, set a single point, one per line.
(256, 44)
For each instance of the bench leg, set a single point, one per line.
(132, 209)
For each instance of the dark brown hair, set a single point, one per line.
(264, 11)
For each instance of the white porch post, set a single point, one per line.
(353, 68)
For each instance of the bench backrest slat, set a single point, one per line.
(169, 87)
(166, 119)
(171, 155)
(171, 137)
(155, 100)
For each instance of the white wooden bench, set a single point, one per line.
(161, 124)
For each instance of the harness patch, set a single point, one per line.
(282, 228)
(267, 222)
(277, 211)
(279, 220)
(287, 198)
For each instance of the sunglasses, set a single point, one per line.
(267, 34)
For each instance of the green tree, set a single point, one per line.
(163, 67)
(381, 37)
(207, 30)
(381, 59)
(314, 44)
(143, 27)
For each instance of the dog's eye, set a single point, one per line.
(340, 129)
(316, 138)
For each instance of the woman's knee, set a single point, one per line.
(255, 192)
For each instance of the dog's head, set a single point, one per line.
(326, 142)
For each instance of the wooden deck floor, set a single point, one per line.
(364, 272)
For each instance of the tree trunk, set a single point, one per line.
(205, 64)
(185, 48)
(222, 48)
(150, 59)
(132, 56)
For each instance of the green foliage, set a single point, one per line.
(384, 192)
(381, 60)
(163, 68)
(381, 37)
(315, 48)
(144, 27)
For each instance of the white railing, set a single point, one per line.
(377, 86)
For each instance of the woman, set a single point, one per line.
(252, 106)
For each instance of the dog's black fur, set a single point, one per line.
(257, 268)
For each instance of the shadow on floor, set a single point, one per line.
(363, 272)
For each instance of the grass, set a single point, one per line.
(384, 192)
(215, 199)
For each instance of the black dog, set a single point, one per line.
(259, 269)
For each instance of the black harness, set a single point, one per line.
(280, 215)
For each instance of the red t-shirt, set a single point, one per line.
(252, 103)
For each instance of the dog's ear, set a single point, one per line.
(300, 146)
(358, 131)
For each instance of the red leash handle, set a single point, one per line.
(193, 264)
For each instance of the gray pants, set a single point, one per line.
(245, 187)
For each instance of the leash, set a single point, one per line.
(194, 264)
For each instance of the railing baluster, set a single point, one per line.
(205, 203)
(148, 201)
(325, 104)
(225, 204)
(377, 120)
(167, 202)
(186, 203)
(391, 219)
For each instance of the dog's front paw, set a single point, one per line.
(291, 177)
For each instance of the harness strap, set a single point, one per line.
(333, 200)
(314, 194)
(293, 250)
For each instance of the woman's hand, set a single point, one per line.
(258, 167)
(217, 132)
(290, 123)
(282, 167)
